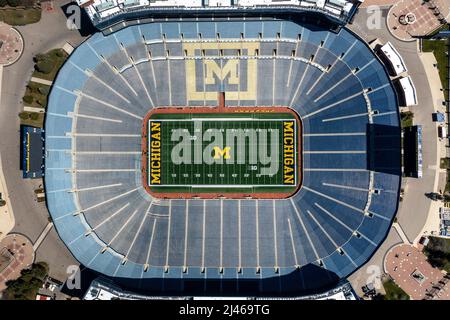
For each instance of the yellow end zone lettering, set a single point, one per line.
(289, 163)
(154, 158)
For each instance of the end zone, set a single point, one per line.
(222, 152)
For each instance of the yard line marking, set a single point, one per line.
(333, 105)
(139, 230)
(186, 229)
(304, 229)
(109, 105)
(292, 242)
(168, 234)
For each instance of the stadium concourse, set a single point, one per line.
(351, 156)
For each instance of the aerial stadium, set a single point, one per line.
(252, 156)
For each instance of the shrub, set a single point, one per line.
(43, 90)
(13, 3)
(41, 102)
(27, 285)
(28, 99)
(59, 54)
(34, 116)
(44, 66)
(3, 3)
(24, 115)
(2, 203)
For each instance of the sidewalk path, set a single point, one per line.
(401, 233)
(42, 236)
(429, 61)
(7, 221)
(41, 81)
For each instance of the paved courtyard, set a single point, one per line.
(16, 253)
(408, 19)
(11, 44)
(410, 269)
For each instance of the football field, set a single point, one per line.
(222, 150)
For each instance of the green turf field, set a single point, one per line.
(231, 152)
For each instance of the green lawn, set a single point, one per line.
(36, 95)
(32, 119)
(20, 17)
(439, 48)
(407, 119)
(48, 64)
(393, 291)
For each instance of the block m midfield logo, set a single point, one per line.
(206, 76)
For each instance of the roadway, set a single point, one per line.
(415, 208)
(31, 217)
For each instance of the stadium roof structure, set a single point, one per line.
(331, 227)
(112, 14)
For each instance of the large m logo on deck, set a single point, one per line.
(211, 73)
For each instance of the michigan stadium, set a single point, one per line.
(222, 152)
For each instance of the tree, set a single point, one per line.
(44, 90)
(28, 99)
(27, 285)
(24, 115)
(13, 3)
(3, 3)
(44, 66)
